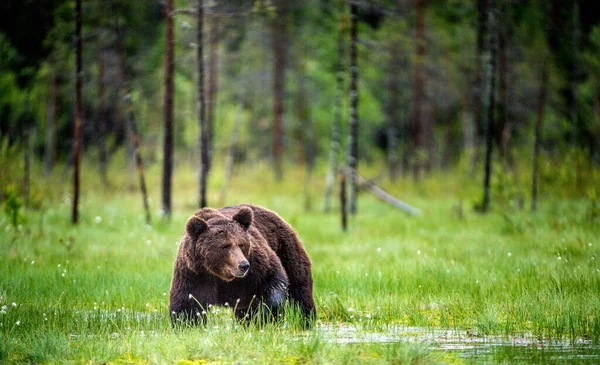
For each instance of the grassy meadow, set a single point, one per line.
(98, 292)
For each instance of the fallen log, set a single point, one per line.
(387, 197)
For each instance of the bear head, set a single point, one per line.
(218, 244)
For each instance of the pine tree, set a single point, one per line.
(77, 130)
(279, 50)
(336, 127)
(489, 103)
(353, 133)
(168, 113)
(418, 130)
(101, 113)
(204, 129)
(133, 132)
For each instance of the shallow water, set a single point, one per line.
(465, 345)
(472, 348)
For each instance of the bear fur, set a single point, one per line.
(244, 256)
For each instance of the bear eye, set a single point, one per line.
(226, 246)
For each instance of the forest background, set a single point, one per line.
(120, 118)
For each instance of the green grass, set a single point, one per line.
(98, 292)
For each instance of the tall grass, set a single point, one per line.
(98, 292)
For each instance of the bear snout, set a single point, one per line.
(244, 266)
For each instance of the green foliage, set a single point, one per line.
(12, 205)
(13, 97)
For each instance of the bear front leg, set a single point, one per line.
(188, 309)
(188, 316)
(301, 295)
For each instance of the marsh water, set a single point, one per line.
(461, 346)
(472, 348)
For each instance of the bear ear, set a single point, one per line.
(195, 226)
(244, 217)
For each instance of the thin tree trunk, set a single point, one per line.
(574, 102)
(477, 101)
(301, 113)
(538, 134)
(130, 153)
(211, 92)
(231, 152)
(132, 129)
(27, 162)
(393, 105)
(304, 133)
(51, 122)
(101, 99)
(138, 157)
(467, 120)
(489, 104)
(204, 128)
(447, 149)
(122, 112)
(387, 197)
(334, 150)
(168, 105)
(505, 119)
(343, 209)
(278, 47)
(353, 133)
(77, 130)
(418, 131)
(502, 91)
(309, 153)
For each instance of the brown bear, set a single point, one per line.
(244, 256)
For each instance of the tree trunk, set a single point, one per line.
(212, 84)
(204, 128)
(278, 47)
(304, 133)
(101, 99)
(231, 152)
(538, 134)
(574, 101)
(51, 122)
(353, 132)
(502, 91)
(334, 150)
(132, 129)
(477, 101)
(343, 209)
(168, 105)
(77, 130)
(387, 197)
(309, 164)
(489, 103)
(138, 157)
(393, 105)
(27, 162)
(418, 130)
(504, 129)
